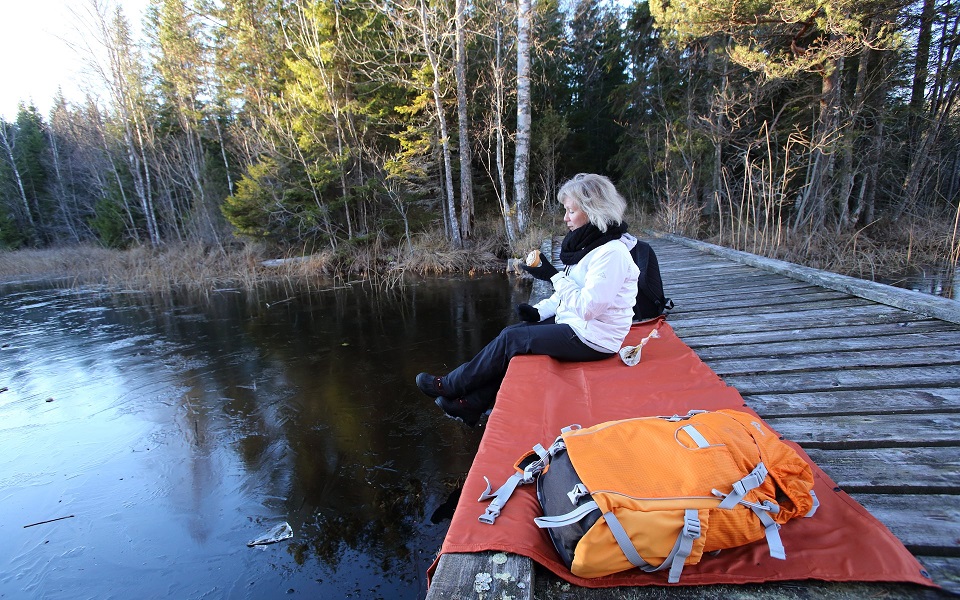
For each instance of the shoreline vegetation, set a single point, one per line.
(885, 253)
(241, 265)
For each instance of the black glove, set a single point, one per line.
(528, 313)
(544, 272)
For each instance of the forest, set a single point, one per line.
(801, 129)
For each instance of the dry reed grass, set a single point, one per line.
(433, 255)
(873, 252)
(755, 217)
(140, 268)
(197, 268)
(78, 263)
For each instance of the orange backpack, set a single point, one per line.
(657, 492)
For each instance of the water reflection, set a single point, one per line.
(175, 431)
(943, 282)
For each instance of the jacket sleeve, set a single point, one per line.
(548, 307)
(603, 280)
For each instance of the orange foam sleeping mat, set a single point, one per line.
(540, 396)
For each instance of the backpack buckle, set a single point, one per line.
(578, 491)
(691, 527)
(490, 515)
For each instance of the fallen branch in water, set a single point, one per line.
(271, 304)
(48, 521)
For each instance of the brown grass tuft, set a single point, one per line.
(433, 254)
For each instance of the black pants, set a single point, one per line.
(480, 377)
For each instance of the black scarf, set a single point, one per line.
(582, 240)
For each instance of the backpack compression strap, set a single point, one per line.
(673, 561)
(503, 493)
(529, 474)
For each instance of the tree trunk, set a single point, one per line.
(920, 66)
(813, 201)
(521, 161)
(847, 216)
(466, 159)
(223, 153)
(509, 213)
(124, 82)
(866, 202)
(444, 133)
(68, 216)
(942, 102)
(140, 171)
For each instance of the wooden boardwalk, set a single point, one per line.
(865, 377)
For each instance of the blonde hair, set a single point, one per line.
(597, 197)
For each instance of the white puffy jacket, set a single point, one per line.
(596, 295)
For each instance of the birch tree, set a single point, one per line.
(182, 64)
(507, 206)
(433, 57)
(65, 187)
(521, 164)
(123, 74)
(463, 119)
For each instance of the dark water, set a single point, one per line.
(171, 432)
(943, 282)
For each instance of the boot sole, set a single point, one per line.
(463, 420)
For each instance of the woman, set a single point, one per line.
(587, 317)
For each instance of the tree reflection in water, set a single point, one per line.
(186, 427)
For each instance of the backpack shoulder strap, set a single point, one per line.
(650, 283)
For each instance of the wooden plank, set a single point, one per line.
(888, 470)
(694, 294)
(753, 282)
(945, 571)
(709, 291)
(845, 379)
(838, 341)
(794, 297)
(482, 575)
(848, 359)
(727, 284)
(851, 402)
(757, 305)
(702, 267)
(550, 587)
(699, 340)
(926, 524)
(797, 320)
(871, 431)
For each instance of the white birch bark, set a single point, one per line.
(442, 124)
(521, 162)
(509, 213)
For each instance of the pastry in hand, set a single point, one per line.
(533, 258)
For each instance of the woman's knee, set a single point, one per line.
(514, 340)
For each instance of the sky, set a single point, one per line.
(35, 57)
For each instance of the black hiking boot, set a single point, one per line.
(430, 385)
(467, 410)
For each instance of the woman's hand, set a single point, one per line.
(542, 272)
(528, 313)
